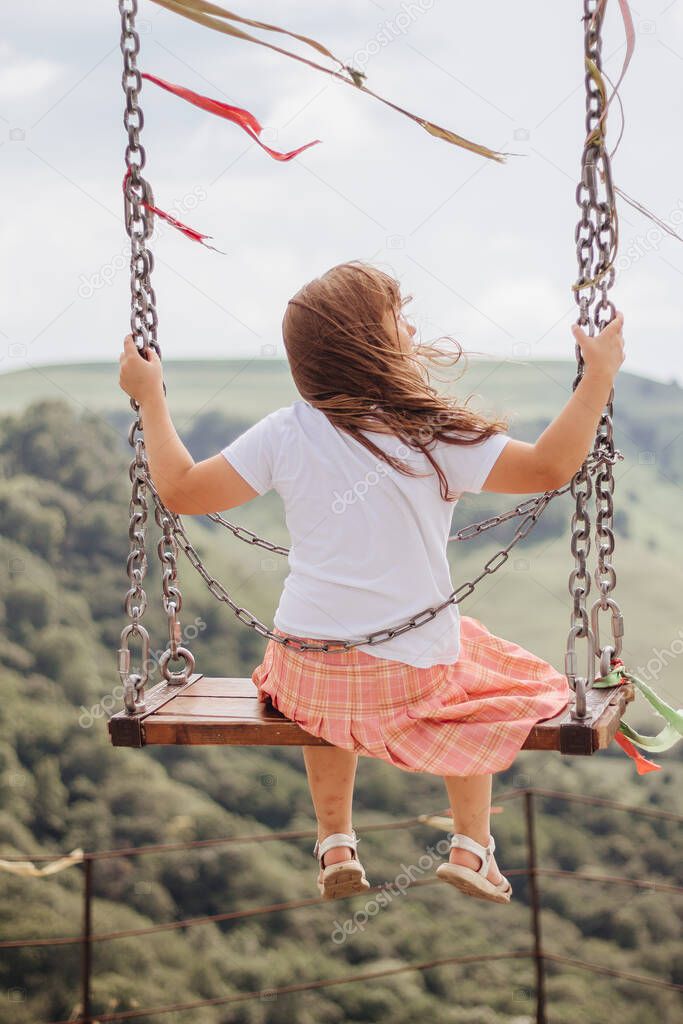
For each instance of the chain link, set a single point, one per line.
(596, 242)
(241, 533)
(167, 550)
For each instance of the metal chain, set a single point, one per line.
(241, 533)
(139, 220)
(135, 602)
(464, 533)
(372, 639)
(139, 224)
(537, 505)
(167, 550)
(605, 575)
(596, 241)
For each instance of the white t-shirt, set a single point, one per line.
(368, 543)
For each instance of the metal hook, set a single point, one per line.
(579, 684)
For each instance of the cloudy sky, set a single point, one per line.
(486, 249)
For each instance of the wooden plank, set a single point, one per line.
(612, 714)
(235, 717)
(224, 687)
(562, 733)
(126, 730)
(248, 708)
(167, 729)
(227, 711)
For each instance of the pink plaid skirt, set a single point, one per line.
(469, 718)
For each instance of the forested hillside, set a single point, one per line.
(64, 494)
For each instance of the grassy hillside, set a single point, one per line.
(64, 495)
(230, 394)
(250, 387)
(241, 388)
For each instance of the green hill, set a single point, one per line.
(252, 386)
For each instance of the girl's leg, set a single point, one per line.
(331, 774)
(470, 800)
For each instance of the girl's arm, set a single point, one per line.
(185, 486)
(559, 452)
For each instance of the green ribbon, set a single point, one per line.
(669, 735)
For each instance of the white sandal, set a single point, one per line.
(342, 879)
(475, 883)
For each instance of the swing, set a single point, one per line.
(189, 708)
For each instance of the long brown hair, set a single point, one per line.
(345, 363)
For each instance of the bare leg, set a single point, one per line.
(331, 774)
(470, 800)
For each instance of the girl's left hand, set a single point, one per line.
(139, 377)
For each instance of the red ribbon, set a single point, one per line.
(238, 116)
(643, 766)
(189, 232)
(192, 233)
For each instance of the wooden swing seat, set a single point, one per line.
(228, 712)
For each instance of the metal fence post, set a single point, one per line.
(86, 947)
(534, 900)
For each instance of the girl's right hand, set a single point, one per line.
(603, 354)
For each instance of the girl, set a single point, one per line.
(369, 464)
